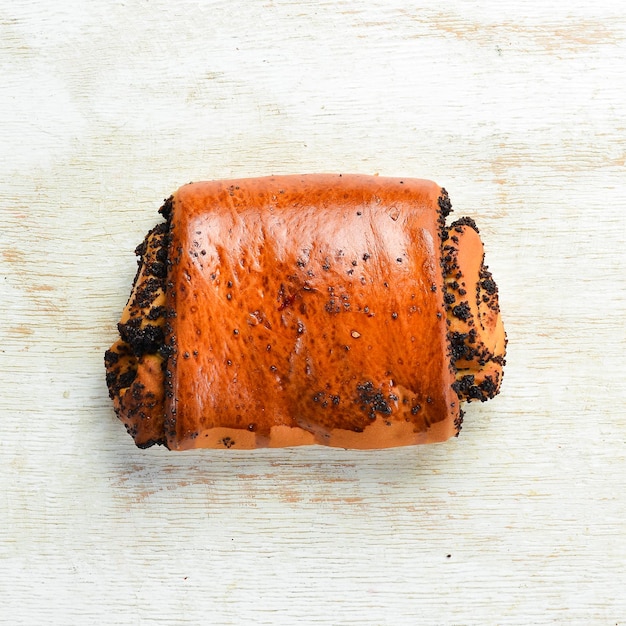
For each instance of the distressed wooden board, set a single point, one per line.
(517, 108)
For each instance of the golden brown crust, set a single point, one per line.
(301, 310)
(309, 302)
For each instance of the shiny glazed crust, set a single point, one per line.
(294, 310)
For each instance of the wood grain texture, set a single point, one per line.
(517, 109)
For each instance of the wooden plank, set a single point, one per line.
(517, 108)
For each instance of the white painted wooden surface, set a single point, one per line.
(517, 108)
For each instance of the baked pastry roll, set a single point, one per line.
(315, 309)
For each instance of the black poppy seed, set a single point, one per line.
(462, 311)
